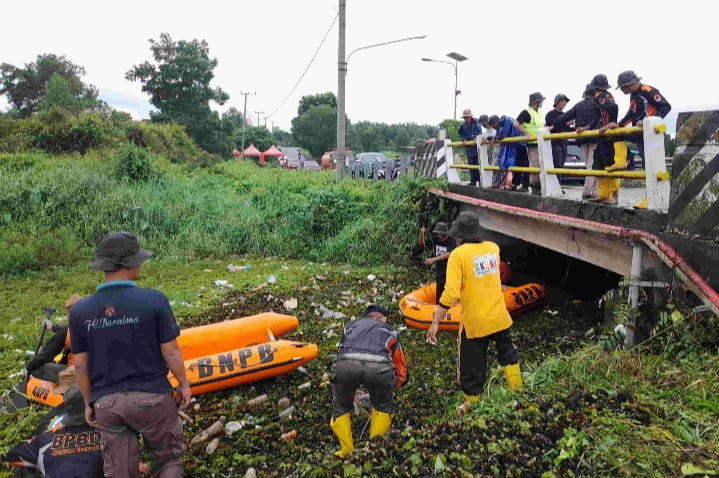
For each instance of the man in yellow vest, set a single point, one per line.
(528, 122)
(474, 280)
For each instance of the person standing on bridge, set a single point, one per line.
(510, 154)
(584, 115)
(644, 100)
(559, 146)
(468, 131)
(124, 339)
(474, 280)
(610, 154)
(528, 122)
(369, 354)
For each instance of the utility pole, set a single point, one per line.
(265, 121)
(341, 73)
(244, 118)
(258, 113)
(273, 124)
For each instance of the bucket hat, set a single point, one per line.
(560, 97)
(600, 82)
(119, 249)
(440, 228)
(466, 227)
(536, 97)
(74, 406)
(588, 91)
(467, 113)
(376, 308)
(627, 78)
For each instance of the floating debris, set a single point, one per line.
(304, 386)
(211, 431)
(254, 402)
(212, 446)
(223, 284)
(290, 435)
(287, 413)
(251, 473)
(290, 304)
(283, 403)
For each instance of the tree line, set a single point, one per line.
(178, 83)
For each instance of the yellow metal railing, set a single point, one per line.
(661, 176)
(633, 130)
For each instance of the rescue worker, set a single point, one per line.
(443, 245)
(55, 356)
(644, 100)
(473, 280)
(369, 354)
(610, 154)
(528, 123)
(69, 451)
(584, 115)
(468, 131)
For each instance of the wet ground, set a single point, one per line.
(427, 437)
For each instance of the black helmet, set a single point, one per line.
(600, 82)
(627, 78)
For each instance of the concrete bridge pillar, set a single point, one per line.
(694, 199)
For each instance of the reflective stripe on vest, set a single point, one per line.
(536, 123)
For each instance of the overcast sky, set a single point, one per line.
(514, 48)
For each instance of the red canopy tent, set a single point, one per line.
(252, 151)
(272, 151)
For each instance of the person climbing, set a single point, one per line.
(644, 100)
(473, 280)
(369, 354)
(443, 245)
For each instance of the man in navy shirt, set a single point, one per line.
(124, 339)
(468, 131)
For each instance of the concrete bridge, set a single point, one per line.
(673, 245)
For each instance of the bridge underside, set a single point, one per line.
(609, 251)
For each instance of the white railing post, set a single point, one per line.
(485, 177)
(549, 182)
(452, 174)
(654, 163)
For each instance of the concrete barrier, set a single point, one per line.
(694, 204)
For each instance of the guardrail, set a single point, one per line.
(655, 172)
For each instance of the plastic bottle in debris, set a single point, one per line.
(287, 413)
(253, 402)
(290, 435)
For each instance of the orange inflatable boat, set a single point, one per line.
(418, 306)
(245, 365)
(213, 343)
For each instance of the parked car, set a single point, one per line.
(311, 164)
(291, 163)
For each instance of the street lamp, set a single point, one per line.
(457, 58)
(341, 74)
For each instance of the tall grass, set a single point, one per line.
(54, 209)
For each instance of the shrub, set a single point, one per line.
(133, 163)
(62, 133)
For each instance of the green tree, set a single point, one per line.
(307, 102)
(316, 130)
(282, 137)
(58, 94)
(452, 127)
(179, 87)
(25, 87)
(402, 137)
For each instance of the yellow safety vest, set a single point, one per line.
(533, 126)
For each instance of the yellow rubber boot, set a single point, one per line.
(642, 204)
(342, 427)
(514, 377)
(380, 423)
(468, 401)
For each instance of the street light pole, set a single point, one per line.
(457, 58)
(341, 75)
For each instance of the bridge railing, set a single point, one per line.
(655, 171)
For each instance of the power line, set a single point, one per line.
(308, 67)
